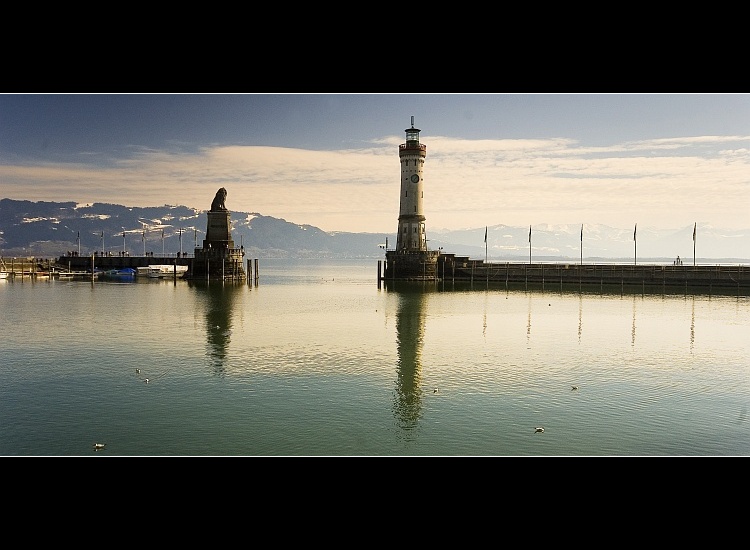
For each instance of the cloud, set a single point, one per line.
(468, 183)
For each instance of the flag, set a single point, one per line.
(485, 234)
(694, 226)
(634, 230)
(529, 233)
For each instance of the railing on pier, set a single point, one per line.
(645, 275)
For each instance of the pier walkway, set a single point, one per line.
(595, 276)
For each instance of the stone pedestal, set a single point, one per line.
(218, 233)
(218, 259)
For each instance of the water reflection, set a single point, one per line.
(692, 325)
(528, 322)
(632, 329)
(218, 299)
(410, 331)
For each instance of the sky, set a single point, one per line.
(662, 161)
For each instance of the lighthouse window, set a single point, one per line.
(422, 194)
(415, 208)
(415, 230)
(406, 193)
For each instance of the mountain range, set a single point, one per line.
(52, 229)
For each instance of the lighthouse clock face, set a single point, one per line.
(414, 178)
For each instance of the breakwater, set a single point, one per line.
(594, 276)
(83, 263)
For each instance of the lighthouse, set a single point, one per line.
(411, 220)
(411, 260)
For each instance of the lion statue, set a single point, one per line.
(218, 203)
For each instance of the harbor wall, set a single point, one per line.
(574, 275)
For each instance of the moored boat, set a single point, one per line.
(124, 274)
(162, 271)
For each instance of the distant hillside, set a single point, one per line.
(50, 229)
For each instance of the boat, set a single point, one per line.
(162, 271)
(124, 274)
(150, 271)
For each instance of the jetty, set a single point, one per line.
(651, 278)
(119, 261)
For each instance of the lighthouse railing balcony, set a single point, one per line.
(406, 146)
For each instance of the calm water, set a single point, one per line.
(317, 360)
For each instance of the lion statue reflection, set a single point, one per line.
(218, 203)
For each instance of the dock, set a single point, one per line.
(652, 278)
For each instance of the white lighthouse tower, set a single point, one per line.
(411, 260)
(411, 220)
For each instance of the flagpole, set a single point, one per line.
(486, 267)
(529, 245)
(485, 244)
(695, 225)
(635, 246)
(581, 244)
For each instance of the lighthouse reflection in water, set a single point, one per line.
(410, 326)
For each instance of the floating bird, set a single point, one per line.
(146, 380)
(435, 390)
(99, 446)
(573, 388)
(138, 371)
(538, 430)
